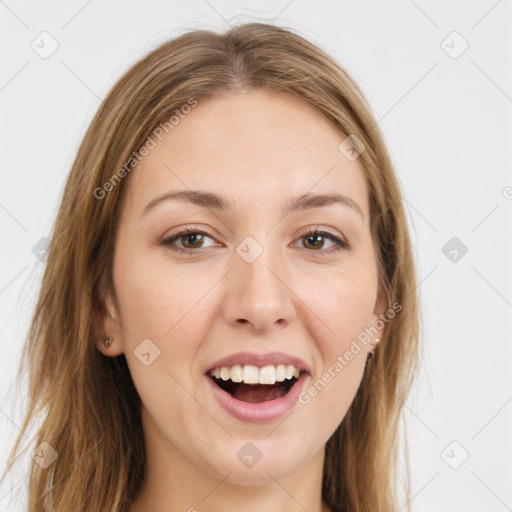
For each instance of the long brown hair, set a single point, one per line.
(88, 404)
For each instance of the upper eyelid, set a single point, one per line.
(191, 230)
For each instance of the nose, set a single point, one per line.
(258, 296)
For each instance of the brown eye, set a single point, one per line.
(315, 240)
(191, 241)
(195, 239)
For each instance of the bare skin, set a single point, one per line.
(258, 150)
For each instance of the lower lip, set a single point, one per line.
(259, 412)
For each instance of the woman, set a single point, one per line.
(228, 314)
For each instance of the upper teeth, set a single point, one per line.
(250, 374)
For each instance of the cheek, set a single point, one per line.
(156, 298)
(345, 307)
(343, 300)
(330, 392)
(351, 310)
(162, 305)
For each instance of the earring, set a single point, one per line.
(373, 345)
(108, 341)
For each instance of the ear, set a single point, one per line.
(106, 324)
(378, 325)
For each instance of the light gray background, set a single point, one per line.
(447, 122)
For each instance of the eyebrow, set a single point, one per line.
(218, 203)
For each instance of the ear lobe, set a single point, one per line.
(99, 330)
(378, 323)
(105, 330)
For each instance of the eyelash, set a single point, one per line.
(341, 244)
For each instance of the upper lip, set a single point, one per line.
(243, 358)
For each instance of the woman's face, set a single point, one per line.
(252, 283)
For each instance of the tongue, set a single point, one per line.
(255, 393)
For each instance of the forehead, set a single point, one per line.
(254, 148)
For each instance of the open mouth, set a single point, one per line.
(255, 393)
